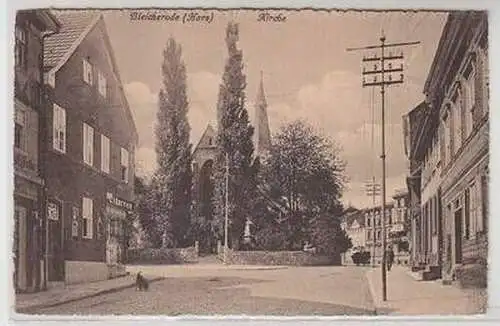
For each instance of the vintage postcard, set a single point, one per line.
(258, 162)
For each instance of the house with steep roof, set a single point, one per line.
(88, 152)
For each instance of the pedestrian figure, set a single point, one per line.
(390, 258)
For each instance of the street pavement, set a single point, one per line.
(407, 296)
(208, 289)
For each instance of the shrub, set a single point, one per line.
(361, 257)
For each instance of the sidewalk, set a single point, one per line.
(28, 302)
(407, 296)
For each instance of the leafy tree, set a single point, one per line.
(171, 184)
(144, 212)
(306, 175)
(234, 139)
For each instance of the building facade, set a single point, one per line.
(353, 223)
(89, 147)
(424, 186)
(29, 102)
(395, 229)
(457, 90)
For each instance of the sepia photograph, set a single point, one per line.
(255, 162)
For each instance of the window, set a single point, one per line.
(88, 75)
(59, 129)
(467, 215)
(101, 83)
(457, 126)
(486, 81)
(475, 209)
(21, 48)
(124, 165)
(378, 235)
(20, 130)
(470, 99)
(447, 139)
(105, 152)
(88, 217)
(88, 144)
(484, 201)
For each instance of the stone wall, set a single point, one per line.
(163, 255)
(289, 258)
(85, 271)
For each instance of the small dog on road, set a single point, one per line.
(141, 283)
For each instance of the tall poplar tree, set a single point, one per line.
(234, 139)
(173, 177)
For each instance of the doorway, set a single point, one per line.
(20, 248)
(55, 255)
(458, 236)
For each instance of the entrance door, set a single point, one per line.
(55, 255)
(21, 248)
(458, 236)
(112, 243)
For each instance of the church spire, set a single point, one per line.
(262, 133)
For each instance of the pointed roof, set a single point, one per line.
(75, 25)
(207, 139)
(262, 132)
(58, 48)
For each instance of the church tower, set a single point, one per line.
(262, 134)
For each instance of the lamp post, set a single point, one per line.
(226, 211)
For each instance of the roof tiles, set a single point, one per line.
(73, 24)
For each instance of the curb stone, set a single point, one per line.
(378, 304)
(29, 309)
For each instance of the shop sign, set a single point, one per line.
(52, 212)
(119, 202)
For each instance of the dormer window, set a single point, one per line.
(209, 141)
(88, 76)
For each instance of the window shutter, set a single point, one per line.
(55, 127)
(91, 218)
(62, 129)
(124, 157)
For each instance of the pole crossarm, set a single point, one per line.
(391, 82)
(371, 72)
(371, 47)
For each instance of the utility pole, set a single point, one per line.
(372, 190)
(226, 211)
(381, 71)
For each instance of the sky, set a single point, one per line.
(307, 74)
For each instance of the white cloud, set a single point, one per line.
(202, 88)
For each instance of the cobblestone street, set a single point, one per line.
(288, 292)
